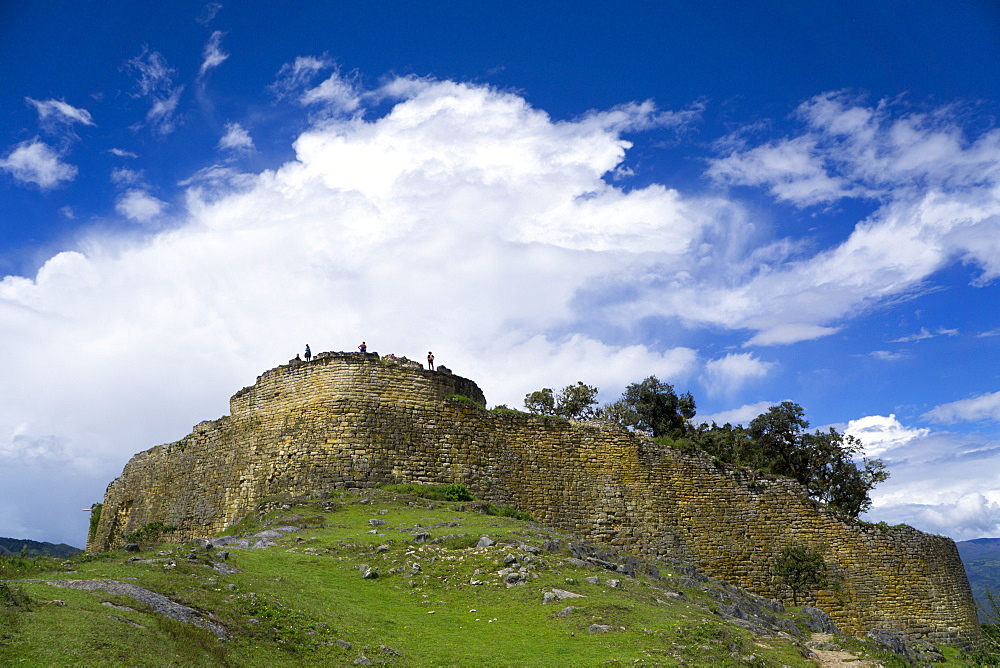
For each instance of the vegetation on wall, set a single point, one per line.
(828, 464)
(800, 568)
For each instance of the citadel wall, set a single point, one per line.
(354, 420)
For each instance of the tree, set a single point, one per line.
(541, 402)
(800, 569)
(653, 406)
(824, 463)
(573, 401)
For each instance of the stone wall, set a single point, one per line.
(354, 420)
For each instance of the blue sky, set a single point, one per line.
(753, 201)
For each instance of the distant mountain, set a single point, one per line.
(12, 546)
(982, 566)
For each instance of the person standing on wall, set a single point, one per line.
(363, 347)
(430, 360)
(308, 353)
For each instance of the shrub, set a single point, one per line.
(446, 492)
(150, 532)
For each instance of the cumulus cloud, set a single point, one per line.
(966, 517)
(738, 416)
(728, 374)
(880, 434)
(982, 407)
(36, 162)
(462, 220)
(138, 205)
(236, 139)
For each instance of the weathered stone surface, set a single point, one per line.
(350, 420)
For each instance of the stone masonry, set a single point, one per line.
(356, 420)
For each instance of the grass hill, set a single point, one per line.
(981, 558)
(33, 548)
(387, 577)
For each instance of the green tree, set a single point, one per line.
(541, 402)
(823, 462)
(800, 569)
(653, 406)
(573, 401)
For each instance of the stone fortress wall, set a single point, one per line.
(355, 420)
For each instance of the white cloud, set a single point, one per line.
(138, 205)
(124, 176)
(924, 333)
(209, 12)
(60, 112)
(122, 153)
(293, 77)
(160, 116)
(982, 407)
(154, 80)
(212, 55)
(965, 517)
(336, 93)
(728, 374)
(736, 416)
(236, 138)
(886, 355)
(37, 162)
(462, 221)
(881, 434)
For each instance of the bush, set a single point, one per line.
(446, 492)
(149, 533)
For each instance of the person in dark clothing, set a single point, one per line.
(430, 361)
(308, 353)
(363, 347)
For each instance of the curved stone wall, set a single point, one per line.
(355, 420)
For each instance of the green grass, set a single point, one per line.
(291, 604)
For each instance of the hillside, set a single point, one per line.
(9, 546)
(390, 578)
(981, 558)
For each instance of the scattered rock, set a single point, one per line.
(563, 594)
(377, 522)
(362, 661)
(593, 579)
(262, 543)
(819, 621)
(389, 650)
(485, 541)
(509, 559)
(344, 644)
(132, 547)
(598, 628)
(567, 611)
(367, 572)
(616, 584)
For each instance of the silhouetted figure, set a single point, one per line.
(430, 360)
(363, 347)
(297, 358)
(309, 353)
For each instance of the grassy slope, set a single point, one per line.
(291, 604)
